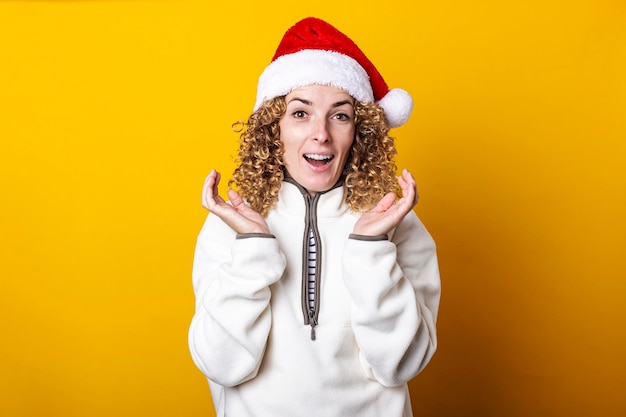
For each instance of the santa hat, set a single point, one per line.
(314, 52)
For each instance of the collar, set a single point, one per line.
(293, 198)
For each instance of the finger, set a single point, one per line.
(412, 183)
(406, 179)
(205, 189)
(408, 186)
(385, 203)
(210, 190)
(235, 199)
(218, 178)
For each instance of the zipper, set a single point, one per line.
(311, 314)
(312, 323)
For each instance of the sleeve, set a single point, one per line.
(231, 279)
(395, 288)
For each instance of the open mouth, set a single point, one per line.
(317, 159)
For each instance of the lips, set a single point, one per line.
(318, 159)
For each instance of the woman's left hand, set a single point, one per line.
(389, 212)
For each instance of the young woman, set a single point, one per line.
(317, 286)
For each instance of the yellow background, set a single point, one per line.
(112, 113)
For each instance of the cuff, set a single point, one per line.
(368, 238)
(250, 235)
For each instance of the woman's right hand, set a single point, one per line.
(240, 217)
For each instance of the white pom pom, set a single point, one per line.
(397, 105)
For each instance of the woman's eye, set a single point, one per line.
(342, 117)
(299, 114)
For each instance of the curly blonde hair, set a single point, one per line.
(369, 173)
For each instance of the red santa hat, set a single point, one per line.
(314, 52)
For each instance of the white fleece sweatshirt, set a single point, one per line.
(375, 322)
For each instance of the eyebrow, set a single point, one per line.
(309, 103)
(303, 101)
(341, 103)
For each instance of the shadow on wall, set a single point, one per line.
(489, 360)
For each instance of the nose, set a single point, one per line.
(321, 132)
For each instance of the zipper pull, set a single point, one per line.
(313, 323)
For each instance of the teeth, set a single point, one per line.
(317, 156)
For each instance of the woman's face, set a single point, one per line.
(317, 132)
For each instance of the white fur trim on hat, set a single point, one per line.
(309, 66)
